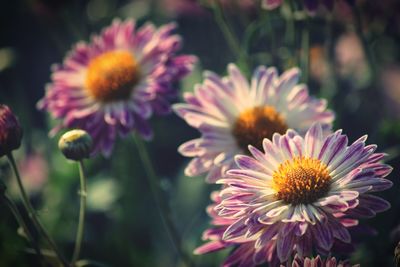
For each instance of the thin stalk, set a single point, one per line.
(290, 34)
(230, 38)
(366, 47)
(271, 34)
(305, 47)
(249, 34)
(11, 205)
(161, 204)
(45, 252)
(241, 55)
(32, 213)
(255, 30)
(330, 87)
(82, 211)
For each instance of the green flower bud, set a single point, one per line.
(75, 144)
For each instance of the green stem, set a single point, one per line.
(162, 205)
(229, 36)
(290, 34)
(330, 87)
(254, 30)
(248, 37)
(271, 34)
(32, 213)
(82, 210)
(11, 205)
(366, 47)
(305, 47)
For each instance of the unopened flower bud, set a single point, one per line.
(10, 131)
(75, 144)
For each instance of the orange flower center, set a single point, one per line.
(111, 76)
(301, 180)
(255, 124)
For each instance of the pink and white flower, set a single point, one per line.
(114, 84)
(232, 113)
(303, 192)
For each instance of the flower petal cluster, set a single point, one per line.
(303, 192)
(319, 262)
(245, 253)
(114, 84)
(231, 113)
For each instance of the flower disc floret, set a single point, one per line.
(112, 76)
(255, 124)
(301, 180)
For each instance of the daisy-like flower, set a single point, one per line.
(115, 83)
(318, 262)
(232, 113)
(245, 253)
(304, 193)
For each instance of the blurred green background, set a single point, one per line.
(349, 56)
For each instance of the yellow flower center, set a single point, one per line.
(301, 180)
(111, 76)
(255, 124)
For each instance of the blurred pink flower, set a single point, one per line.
(350, 57)
(193, 8)
(343, 12)
(34, 172)
(271, 4)
(182, 7)
(319, 68)
(391, 89)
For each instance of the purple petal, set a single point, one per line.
(374, 203)
(190, 148)
(210, 247)
(246, 162)
(284, 247)
(235, 231)
(313, 140)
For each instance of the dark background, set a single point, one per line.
(355, 66)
